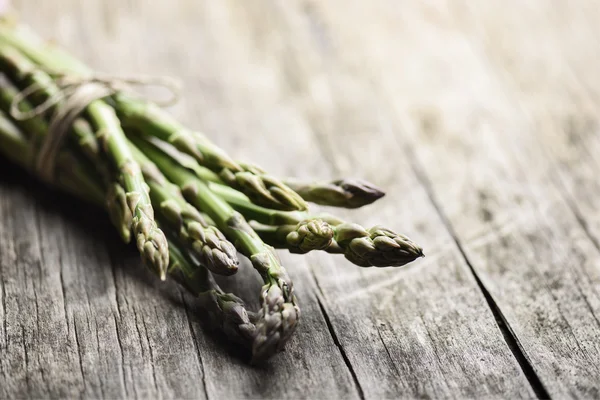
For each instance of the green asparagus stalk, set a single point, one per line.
(373, 247)
(347, 193)
(73, 173)
(205, 242)
(151, 120)
(225, 310)
(279, 313)
(260, 187)
(150, 240)
(307, 235)
(116, 198)
(377, 246)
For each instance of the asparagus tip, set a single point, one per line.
(347, 193)
(279, 314)
(359, 192)
(377, 246)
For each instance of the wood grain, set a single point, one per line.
(479, 155)
(477, 119)
(564, 125)
(401, 321)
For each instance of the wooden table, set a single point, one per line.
(480, 118)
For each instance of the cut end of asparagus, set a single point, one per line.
(376, 247)
(346, 193)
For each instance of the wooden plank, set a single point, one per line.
(561, 102)
(32, 303)
(478, 152)
(422, 332)
(298, 69)
(67, 333)
(161, 356)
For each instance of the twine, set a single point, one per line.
(75, 94)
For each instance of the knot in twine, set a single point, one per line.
(75, 94)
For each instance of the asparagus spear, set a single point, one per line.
(347, 193)
(260, 187)
(116, 198)
(226, 310)
(373, 247)
(150, 240)
(149, 119)
(279, 314)
(205, 242)
(376, 246)
(74, 172)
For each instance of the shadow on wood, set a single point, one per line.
(80, 216)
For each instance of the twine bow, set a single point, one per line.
(75, 94)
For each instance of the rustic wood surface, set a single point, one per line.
(479, 118)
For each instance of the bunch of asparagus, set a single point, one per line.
(189, 207)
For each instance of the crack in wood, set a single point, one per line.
(79, 354)
(120, 344)
(151, 356)
(336, 341)
(386, 349)
(117, 331)
(510, 338)
(334, 336)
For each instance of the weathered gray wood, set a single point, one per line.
(560, 103)
(368, 326)
(159, 348)
(399, 344)
(401, 95)
(67, 332)
(478, 152)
